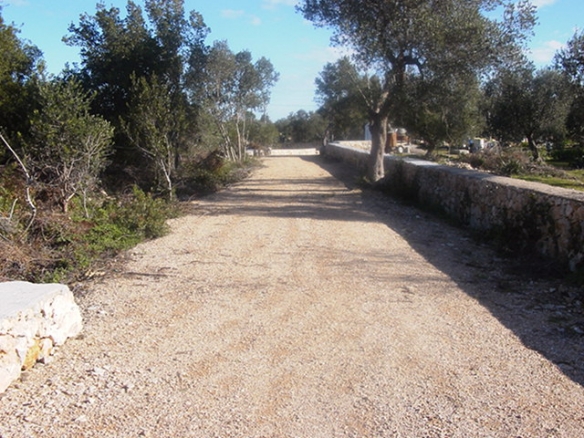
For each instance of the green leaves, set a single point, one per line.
(525, 103)
(231, 86)
(69, 146)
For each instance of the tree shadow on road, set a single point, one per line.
(540, 308)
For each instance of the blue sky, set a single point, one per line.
(269, 28)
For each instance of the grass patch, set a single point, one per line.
(566, 183)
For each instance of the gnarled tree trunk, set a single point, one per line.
(378, 129)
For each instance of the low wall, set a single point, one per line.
(527, 216)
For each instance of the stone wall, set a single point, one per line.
(34, 319)
(527, 216)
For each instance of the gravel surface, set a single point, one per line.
(296, 305)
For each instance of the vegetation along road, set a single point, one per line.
(297, 305)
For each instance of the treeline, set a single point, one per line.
(89, 158)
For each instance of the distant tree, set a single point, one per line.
(571, 59)
(302, 127)
(571, 62)
(262, 131)
(231, 87)
(343, 93)
(530, 104)
(401, 39)
(68, 146)
(444, 109)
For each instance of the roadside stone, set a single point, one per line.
(34, 318)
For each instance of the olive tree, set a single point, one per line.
(343, 93)
(530, 104)
(402, 39)
(570, 61)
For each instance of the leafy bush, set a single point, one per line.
(143, 215)
(210, 174)
(573, 156)
(512, 166)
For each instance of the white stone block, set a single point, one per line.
(33, 318)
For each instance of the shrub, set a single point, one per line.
(507, 162)
(77, 244)
(143, 215)
(573, 156)
(210, 174)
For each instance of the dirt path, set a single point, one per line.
(294, 306)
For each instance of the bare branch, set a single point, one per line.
(28, 182)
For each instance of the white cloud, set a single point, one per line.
(231, 13)
(323, 54)
(271, 4)
(14, 3)
(545, 52)
(542, 3)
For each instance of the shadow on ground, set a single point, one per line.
(541, 309)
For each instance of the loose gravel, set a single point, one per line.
(295, 304)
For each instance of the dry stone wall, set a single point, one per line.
(525, 215)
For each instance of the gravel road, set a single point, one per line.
(296, 305)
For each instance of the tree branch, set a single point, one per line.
(28, 182)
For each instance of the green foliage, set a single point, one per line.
(230, 88)
(343, 92)
(68, 146)
(525, 103)
(444, 109)
(211, 174)
(429, 42)
(263, 132)
(511, 167)
(18, 63)
(118, 54)
(154, 128)
(302, 127)
(143, 215)
(114, 226)
(66, 248)
(572, 156)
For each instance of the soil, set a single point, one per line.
(296, 304)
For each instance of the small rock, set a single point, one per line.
(100, 372)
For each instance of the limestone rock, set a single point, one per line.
(33, 319)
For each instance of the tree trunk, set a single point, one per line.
(533, 147)
(378, 129)
(239, 139)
